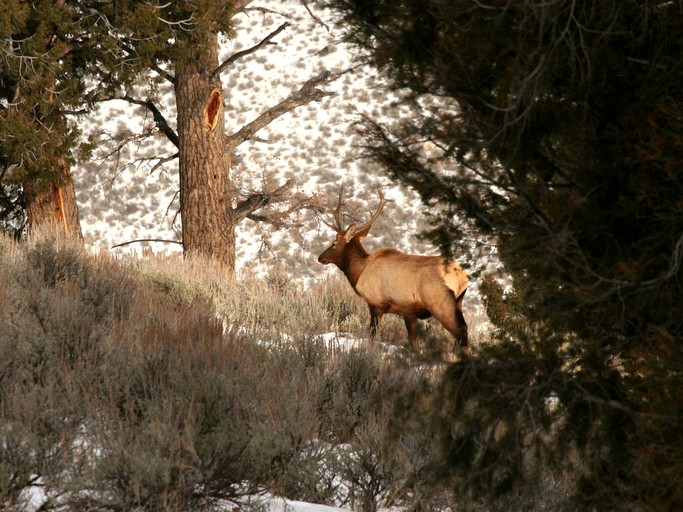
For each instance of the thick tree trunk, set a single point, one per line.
(54, 202)
(204, 160)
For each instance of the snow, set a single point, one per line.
(284, 505)
(34, 497)
(122, 197)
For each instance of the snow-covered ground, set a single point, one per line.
(283, 505)
(34, 498)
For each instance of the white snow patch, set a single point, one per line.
(285, 505)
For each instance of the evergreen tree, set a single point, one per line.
(39, 84)
(554, 129)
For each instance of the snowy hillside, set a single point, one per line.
(122, 197)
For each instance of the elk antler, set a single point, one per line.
(336, 214)
(382, 201)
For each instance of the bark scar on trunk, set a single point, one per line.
(60, 214)
(212, 109)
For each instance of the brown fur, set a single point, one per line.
(414, 287)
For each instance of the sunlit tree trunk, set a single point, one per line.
(208, 224)
(53, 202)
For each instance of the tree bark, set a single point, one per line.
(208, 224)
(209, 217)
(54, 202)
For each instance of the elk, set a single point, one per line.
(390, 281)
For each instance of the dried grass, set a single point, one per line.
(160, 384)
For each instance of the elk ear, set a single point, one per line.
(350, 233)
(363, 232)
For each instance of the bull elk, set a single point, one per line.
(390, 281)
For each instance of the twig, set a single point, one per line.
(256, 201)
(162, 161)
(159, 118)
(146, 240)
(227, 62)
(315, 18)
(306, 94)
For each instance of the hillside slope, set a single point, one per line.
(122, 198)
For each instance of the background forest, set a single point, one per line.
(549, 131)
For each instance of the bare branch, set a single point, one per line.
(227, 62)
(159, 118)
(258, 200)
(250, 205)
(122, 244)
(163, 73)
(303, 96)
(315, 18)
(130, 50)
(276, 206)
(265, 10)
(242, 4)
(281, 218)
(113, 145)
(161, 161)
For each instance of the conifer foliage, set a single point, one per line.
(40, 81)
(554, 129)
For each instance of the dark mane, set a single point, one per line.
(386, 251)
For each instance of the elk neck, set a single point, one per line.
(355, 261)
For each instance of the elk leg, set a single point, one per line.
(462, 337)
(454, 321)
(411, 327)
(375, 316)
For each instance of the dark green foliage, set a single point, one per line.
(554, 130)
(36, 84)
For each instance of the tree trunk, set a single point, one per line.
(54, 202)
(208, 223)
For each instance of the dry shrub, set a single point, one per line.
(160, 385)
(58, 304)
(197, 414)
(347, 311)
(364, 466)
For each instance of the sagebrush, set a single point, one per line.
(160, 385)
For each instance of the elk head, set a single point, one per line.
(350, 237)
